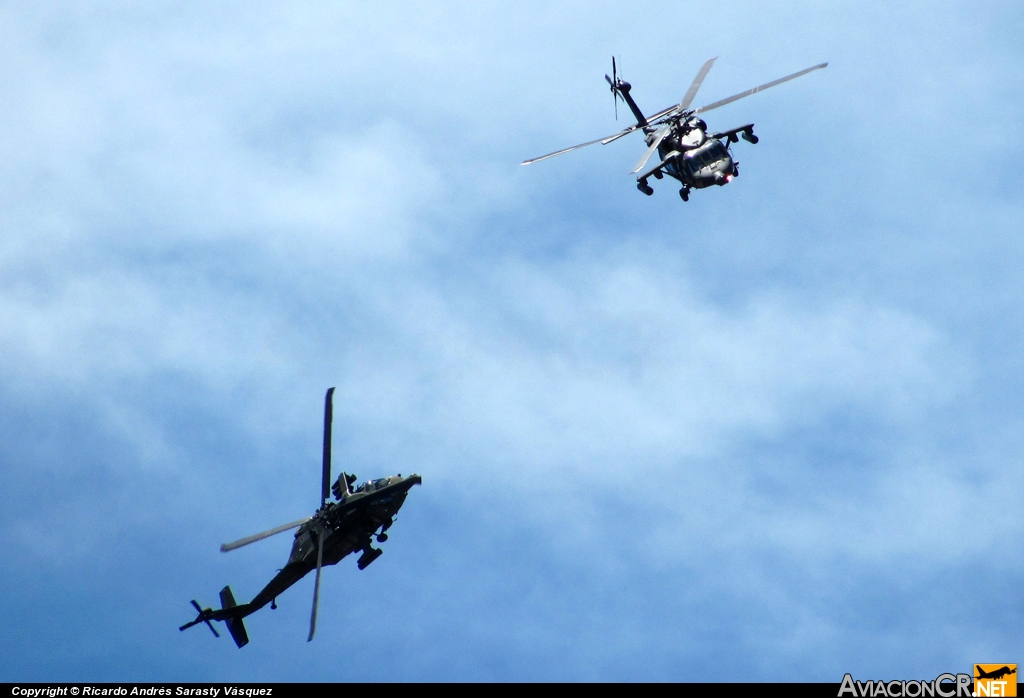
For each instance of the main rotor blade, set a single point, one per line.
(325, 484)
(741, 95)
(316, 584)
(695, 85)
(619, 135)
(225, 547)
(604, 141)
(658, 136)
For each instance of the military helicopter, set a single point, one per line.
(335, 530)
(686, 150)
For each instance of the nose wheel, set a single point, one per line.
(684, 193)
(381, 537)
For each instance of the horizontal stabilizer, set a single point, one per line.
(234, 623)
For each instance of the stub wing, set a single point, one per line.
(731, 134)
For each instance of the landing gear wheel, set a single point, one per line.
(381, 537)
(642, 185)
(684, 193)
(273, 604)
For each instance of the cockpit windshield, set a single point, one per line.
(717, 151)
(708, 156)
(371, 485)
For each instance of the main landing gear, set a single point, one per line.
(382, 536)
(643, 186)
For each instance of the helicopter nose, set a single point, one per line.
(725, 172)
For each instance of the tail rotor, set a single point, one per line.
(230, 613)
(613, 82)
(204, 617)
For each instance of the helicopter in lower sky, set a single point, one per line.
(686, 151)
(335, 530)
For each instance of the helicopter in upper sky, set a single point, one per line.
(335, 530)
(686, 151)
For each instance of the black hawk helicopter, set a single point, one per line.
(686, 150)
(335, 530)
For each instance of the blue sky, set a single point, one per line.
(775, 429)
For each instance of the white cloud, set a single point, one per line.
(258, 203)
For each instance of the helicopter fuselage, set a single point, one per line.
(348, 526)
(699, 162)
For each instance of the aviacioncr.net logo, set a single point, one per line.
(995, 680)
(942, 686)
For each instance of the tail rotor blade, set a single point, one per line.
(613, 81)
(614, 74)
(325, 488)
(199, 610)
(316, 584)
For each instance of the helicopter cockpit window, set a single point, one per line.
(707, 157)
(377, 484)
(717, 152)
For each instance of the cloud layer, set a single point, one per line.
(774, 428)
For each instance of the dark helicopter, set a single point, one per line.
(335, 530)
(686, 150)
